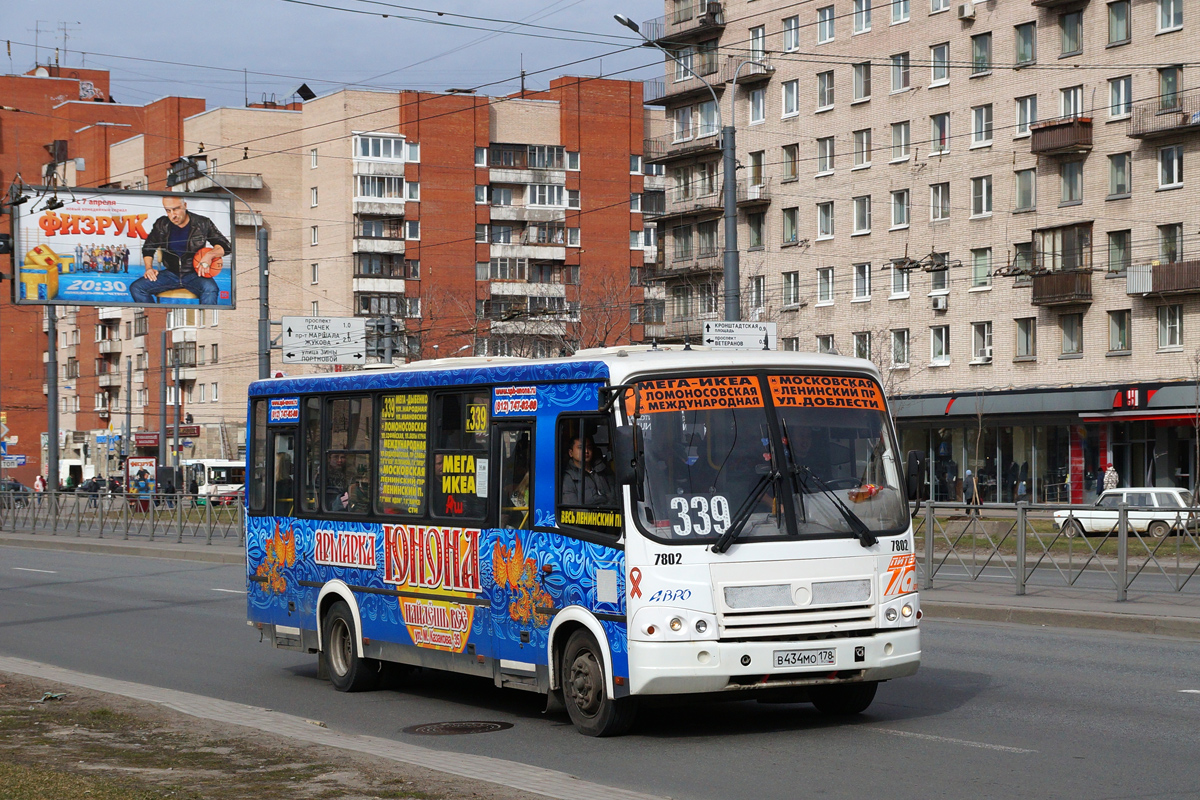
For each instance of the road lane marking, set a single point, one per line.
(1189, 691)
(30, 569)
(948, 740)
(231, 591)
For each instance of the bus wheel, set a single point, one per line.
(844, 699)
(585, 690)
(347, 672)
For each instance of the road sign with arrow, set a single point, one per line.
(324, 340)
(722, 335)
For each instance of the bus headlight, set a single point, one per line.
(906, 610)
(676, 624)
(890, 615)
(701, 626)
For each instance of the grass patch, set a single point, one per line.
(30, 782)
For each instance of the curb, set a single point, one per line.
(172, 551)
(1177, 627)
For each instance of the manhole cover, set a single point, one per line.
(457, 728)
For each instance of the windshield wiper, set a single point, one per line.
(793, 470)
(858, 528)
(747, 508)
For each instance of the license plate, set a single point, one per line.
(825, 657)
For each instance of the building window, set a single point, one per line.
(900, 209)
(939, 345)
(862, 214)
(756, 222)
(938, 5)
(682, 118)
(312, 200)
(1170, 15)
(825, 155)
(939, 57)
(1071, 24)
(791, 225)
(825, 343)
(981, 125)
(825, 19)
(791, 288)
(791, 34)
(312, 156)
(1026, 113)
(900, 348)
(981, 196)
(758, 108)
(862, 16)
(1071, 101)
(981, 54)
(1118, 175)
(940, 133)
(825, 220)
(635, 164)
(901, 72)
(412, 191)
(314, 273)
(825, 285)
(1118, 250)
(862, 81)
(1120, 99)
(901, 140)
(824, 90)
(1026, 189)
(981, 342)
(1170, 327)
(481, 157)
(1168, 88)
(1170, 167)
(791, 159)
(412, 229)
(1118, 22)
(981, 266)
(1072, 182)
(1026, 43)
(1064, 248)
(1118, 331)
(1027, 337)
(791, 98)
(939, 201)
(790, 344)
(706, 239)
(573, 162)
(1170, 243)
(313, 236)
(215, 355)
(379, 148)
(314, 309)
(375, 187)
(758, 292)
(1072, 333)
(862, 148)
(862, 281)
(862, 345)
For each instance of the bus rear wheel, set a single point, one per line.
(347, 671)
(585, 690)
(844, 699)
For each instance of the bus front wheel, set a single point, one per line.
(844, 699)
(585, 690)
(347, 671)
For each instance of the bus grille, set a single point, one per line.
(794, 621)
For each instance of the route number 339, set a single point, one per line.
(699, 514)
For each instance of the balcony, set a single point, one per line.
(110, 346)
(248, 219)
(756, 71)
(667, 147)
(753, 194)
(109, 379)
(527, 175)
(1151, 120)
(1178, 277)
(686, 203)
(1054, 3)
(108, 312)
(690, 19)
(704, 264)
(1061, 136)
(1062, 288)
(683, 84)
(372, 244)
(198, 177)
(528, 214)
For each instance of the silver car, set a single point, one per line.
(1152, 509)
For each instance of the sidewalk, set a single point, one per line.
(1161, 614)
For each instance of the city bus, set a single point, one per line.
(624, 523)
(212, 476)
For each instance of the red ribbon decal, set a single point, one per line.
(635, 580)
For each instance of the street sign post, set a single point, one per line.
(723, 335)
(324, 340)
(11, 461)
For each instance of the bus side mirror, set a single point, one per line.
(625, 456)
(915, 473)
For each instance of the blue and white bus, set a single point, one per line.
(600, 528)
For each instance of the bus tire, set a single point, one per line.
(347, 671)
(844, 699)
(585, 690)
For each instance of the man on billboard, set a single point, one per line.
(182, 251)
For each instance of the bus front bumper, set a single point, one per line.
(711, 666)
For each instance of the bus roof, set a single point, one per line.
(612, 364)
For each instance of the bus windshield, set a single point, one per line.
(717, 454)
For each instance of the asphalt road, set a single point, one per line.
(996, 711)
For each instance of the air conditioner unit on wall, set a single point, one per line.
(966, 11)
(939, 302)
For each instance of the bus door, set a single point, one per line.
(516, 574)
(283, 459)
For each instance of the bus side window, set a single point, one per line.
(458, 470)
(347, 463)
(258, 457)
(284, 445)
(588, 493)
(312, 453)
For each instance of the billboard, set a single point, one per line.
(107, 247)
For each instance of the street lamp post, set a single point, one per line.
(733, 305)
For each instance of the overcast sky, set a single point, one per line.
(283, 43)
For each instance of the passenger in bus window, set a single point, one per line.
(283, 486)
(337, 483)
(587, 480)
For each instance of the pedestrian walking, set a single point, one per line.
(971, 493)
(1111, 478)
(39, 487)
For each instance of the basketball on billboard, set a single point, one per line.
(213, 269)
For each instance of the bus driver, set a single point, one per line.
(587, 480)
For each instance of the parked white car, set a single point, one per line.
(1152, 509)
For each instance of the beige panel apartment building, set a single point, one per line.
(989, 200)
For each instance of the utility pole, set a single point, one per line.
(387, 333)
(52, 406)
(162, 405)
(175, 445)
(264, 307)
(126, 447)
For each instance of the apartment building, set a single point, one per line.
(988, 200)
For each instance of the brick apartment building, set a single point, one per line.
(986, 199)
(507, 225)
(65, 125)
